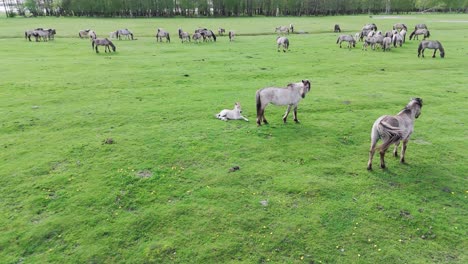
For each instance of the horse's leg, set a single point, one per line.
(383, 149)
(374, 139)
(295, 114)
(286, 114)
(433, 55)
(97, 51)
(403, 151)
(395, 150)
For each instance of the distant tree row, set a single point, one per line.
(225, 8)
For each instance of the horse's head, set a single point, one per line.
(442, 53)
(237, 107)
(416, 105)
(305, 88)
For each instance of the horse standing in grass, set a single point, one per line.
(161, 33)
(290, 96)
(102, 42)
(282, 30)
(221, 31)
(197, 37)
(184, 36)
(83, 33)
(431, 44)
(124, 32)
(400, 26)
(418, 32)
(282, 41)
(233, 114)
(392, 130)
(347, 38)
(232, 34)
(337, 28)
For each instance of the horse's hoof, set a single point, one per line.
(369, 168)
(382, 166)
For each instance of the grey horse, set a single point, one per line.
(392, 130)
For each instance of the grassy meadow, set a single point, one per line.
(162, 192)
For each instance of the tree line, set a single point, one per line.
(224, 8)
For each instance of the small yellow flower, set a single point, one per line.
(302, 257)
(358, 255)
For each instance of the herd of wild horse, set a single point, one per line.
(369, 35)
(391, 129)
(396, 37)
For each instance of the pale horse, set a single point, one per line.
(233, 114)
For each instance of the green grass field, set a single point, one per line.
(163, 193)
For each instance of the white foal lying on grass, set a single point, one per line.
(233, 114)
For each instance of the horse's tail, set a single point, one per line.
(428, 34)
(286, 43)
(337, 40)
(25, 35)
(214, 36)
(168, 37)
(131, 35)
(258, 101)
(412, 34)
(420, 47)
(92, 43)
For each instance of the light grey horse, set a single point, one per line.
(397, 39)
(161, 33)
(233, 114)
(197, 37)
(284, 42)
(400, 26)
(348, 38)
(282, 30)
(374, 42)
(208, 34)
(124, 32)
(431, 44)
(386, 44)
(83, 33)
(418, 32)
(92, 35)
(184, 36)
(102, 42)
(232, 34)
(290, 96)
(420, 26)
(392, 130)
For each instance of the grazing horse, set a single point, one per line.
(418, 32)
(39, 33)
(221, 31)
(431, 44)
(386, 43)
(207, 34)
(282, 30)
(290, 96)
(124, 32)
(184, 36)
(282, 41)
(392, 130)
(397, 39)
(232, 34)
(233, 114)
(400, 26)
(337, 28)
(84, 33)
(348, 38)
(420, 26)
(161, 33)
(403, 34)
(197, 37)
(373, 42)
(102, 42)
(291, 28)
